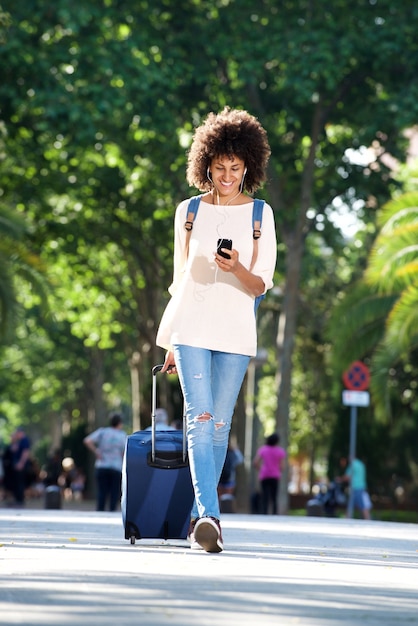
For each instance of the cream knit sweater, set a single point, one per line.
(210, 308)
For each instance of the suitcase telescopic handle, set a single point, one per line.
(155, 370)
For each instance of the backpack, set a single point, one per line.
(257, 218)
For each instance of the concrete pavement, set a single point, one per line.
(60, 567)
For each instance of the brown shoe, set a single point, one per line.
(190, 536)
(208, 534)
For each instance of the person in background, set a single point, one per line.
(108, 446)
(52, 471)
(355, 476)
(269, 461)
(227, 481)
(8, 472)
(78, 482)
(177, 424)
(20, 459)
(208, 328)
(161, 420)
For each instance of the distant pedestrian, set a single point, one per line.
(52, 471)
(108, 446)
(18, 454)
(227, 481)
(355, 475)
(77, 484)
(8, 472)
(269, 460)
(161, 420)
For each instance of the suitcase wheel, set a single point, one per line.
(132, 539)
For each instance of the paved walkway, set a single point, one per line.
(74, 567)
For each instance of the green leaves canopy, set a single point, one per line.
(393, 270)
(380, 315)
(99, 101)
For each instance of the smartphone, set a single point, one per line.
(224, 243)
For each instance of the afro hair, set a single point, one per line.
(227, 134)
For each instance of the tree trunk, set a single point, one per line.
(284, 349)
(294, 234)
(96, 411)
(97, 381)
(134, 366)
(239, 431)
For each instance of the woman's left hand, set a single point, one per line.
(251, 282)
(227, 265)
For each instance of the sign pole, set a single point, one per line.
(356, 380)
(353, 437)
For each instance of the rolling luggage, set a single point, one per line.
(157, 491)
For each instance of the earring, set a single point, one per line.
(208, 175)
(241, 187)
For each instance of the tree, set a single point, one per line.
(379, 316)
(100, 113)
(86, 177)
(324, 83)
(17, 263)
(393, 270)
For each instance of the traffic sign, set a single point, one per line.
(357, 377)
(356, 398)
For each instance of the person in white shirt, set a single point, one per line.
(208, 328)
(108, 446)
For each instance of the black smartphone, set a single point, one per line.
(224, 243)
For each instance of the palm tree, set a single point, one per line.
(16, 262)
(378, 319)
(393, 271)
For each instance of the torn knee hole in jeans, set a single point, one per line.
(206, 417)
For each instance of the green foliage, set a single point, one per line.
(378, 316)
(99, 101)
(4, 23)
(19, 266)
(393, 259)
(393, 270)
(357, 325)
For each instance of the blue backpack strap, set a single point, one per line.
(257, 301)
(192, 210)
(258, 206)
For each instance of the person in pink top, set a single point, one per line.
(269, 461)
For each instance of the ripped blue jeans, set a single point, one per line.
(210, 381)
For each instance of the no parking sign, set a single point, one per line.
(357, 377)
(356, 380)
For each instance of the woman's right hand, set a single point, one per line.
(169, 363)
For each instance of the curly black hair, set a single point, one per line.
(115, 419)
(227, 134)
(273, 440)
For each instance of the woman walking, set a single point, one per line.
(221, 265)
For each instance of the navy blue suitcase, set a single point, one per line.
(157, 491)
